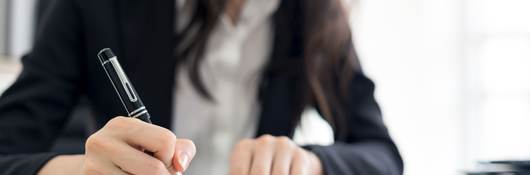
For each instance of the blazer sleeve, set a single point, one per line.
(35, 108)
(368, 148)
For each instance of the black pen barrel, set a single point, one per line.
(124, 88)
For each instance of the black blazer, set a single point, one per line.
(63, 66)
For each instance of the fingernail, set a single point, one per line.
(184, 160)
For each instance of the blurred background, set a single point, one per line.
(453, 76)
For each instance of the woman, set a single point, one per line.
(236, 69)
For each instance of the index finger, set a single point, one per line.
(160, 141)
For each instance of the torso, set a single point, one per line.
(232, 68)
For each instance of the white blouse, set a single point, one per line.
(231, 70)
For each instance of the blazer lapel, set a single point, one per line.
(147, 32)
(278, 93)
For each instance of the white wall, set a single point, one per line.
(21, 26)
(453, 78)
(413, 51)
(499, 50)
(3, 18)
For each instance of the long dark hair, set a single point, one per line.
(328, 54)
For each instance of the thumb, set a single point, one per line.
(184, 152)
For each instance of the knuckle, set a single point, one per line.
(166, 133)
(284, 140)
(124, 126)
(286, 143)
(167, 138)
(265, 139)
(95, 142)
(119, 123)
(243, 144)
(118, 119)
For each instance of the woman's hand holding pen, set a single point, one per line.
(118, 148)
(270, 155)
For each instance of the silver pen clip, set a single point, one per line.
(123, 79)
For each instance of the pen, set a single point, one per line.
(126, 92)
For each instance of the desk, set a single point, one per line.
(502, 167)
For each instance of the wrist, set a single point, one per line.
(63, 164)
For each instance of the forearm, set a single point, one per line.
(374, 158)
(23, 163)
(63, 165)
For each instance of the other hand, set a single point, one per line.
(270, 155)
